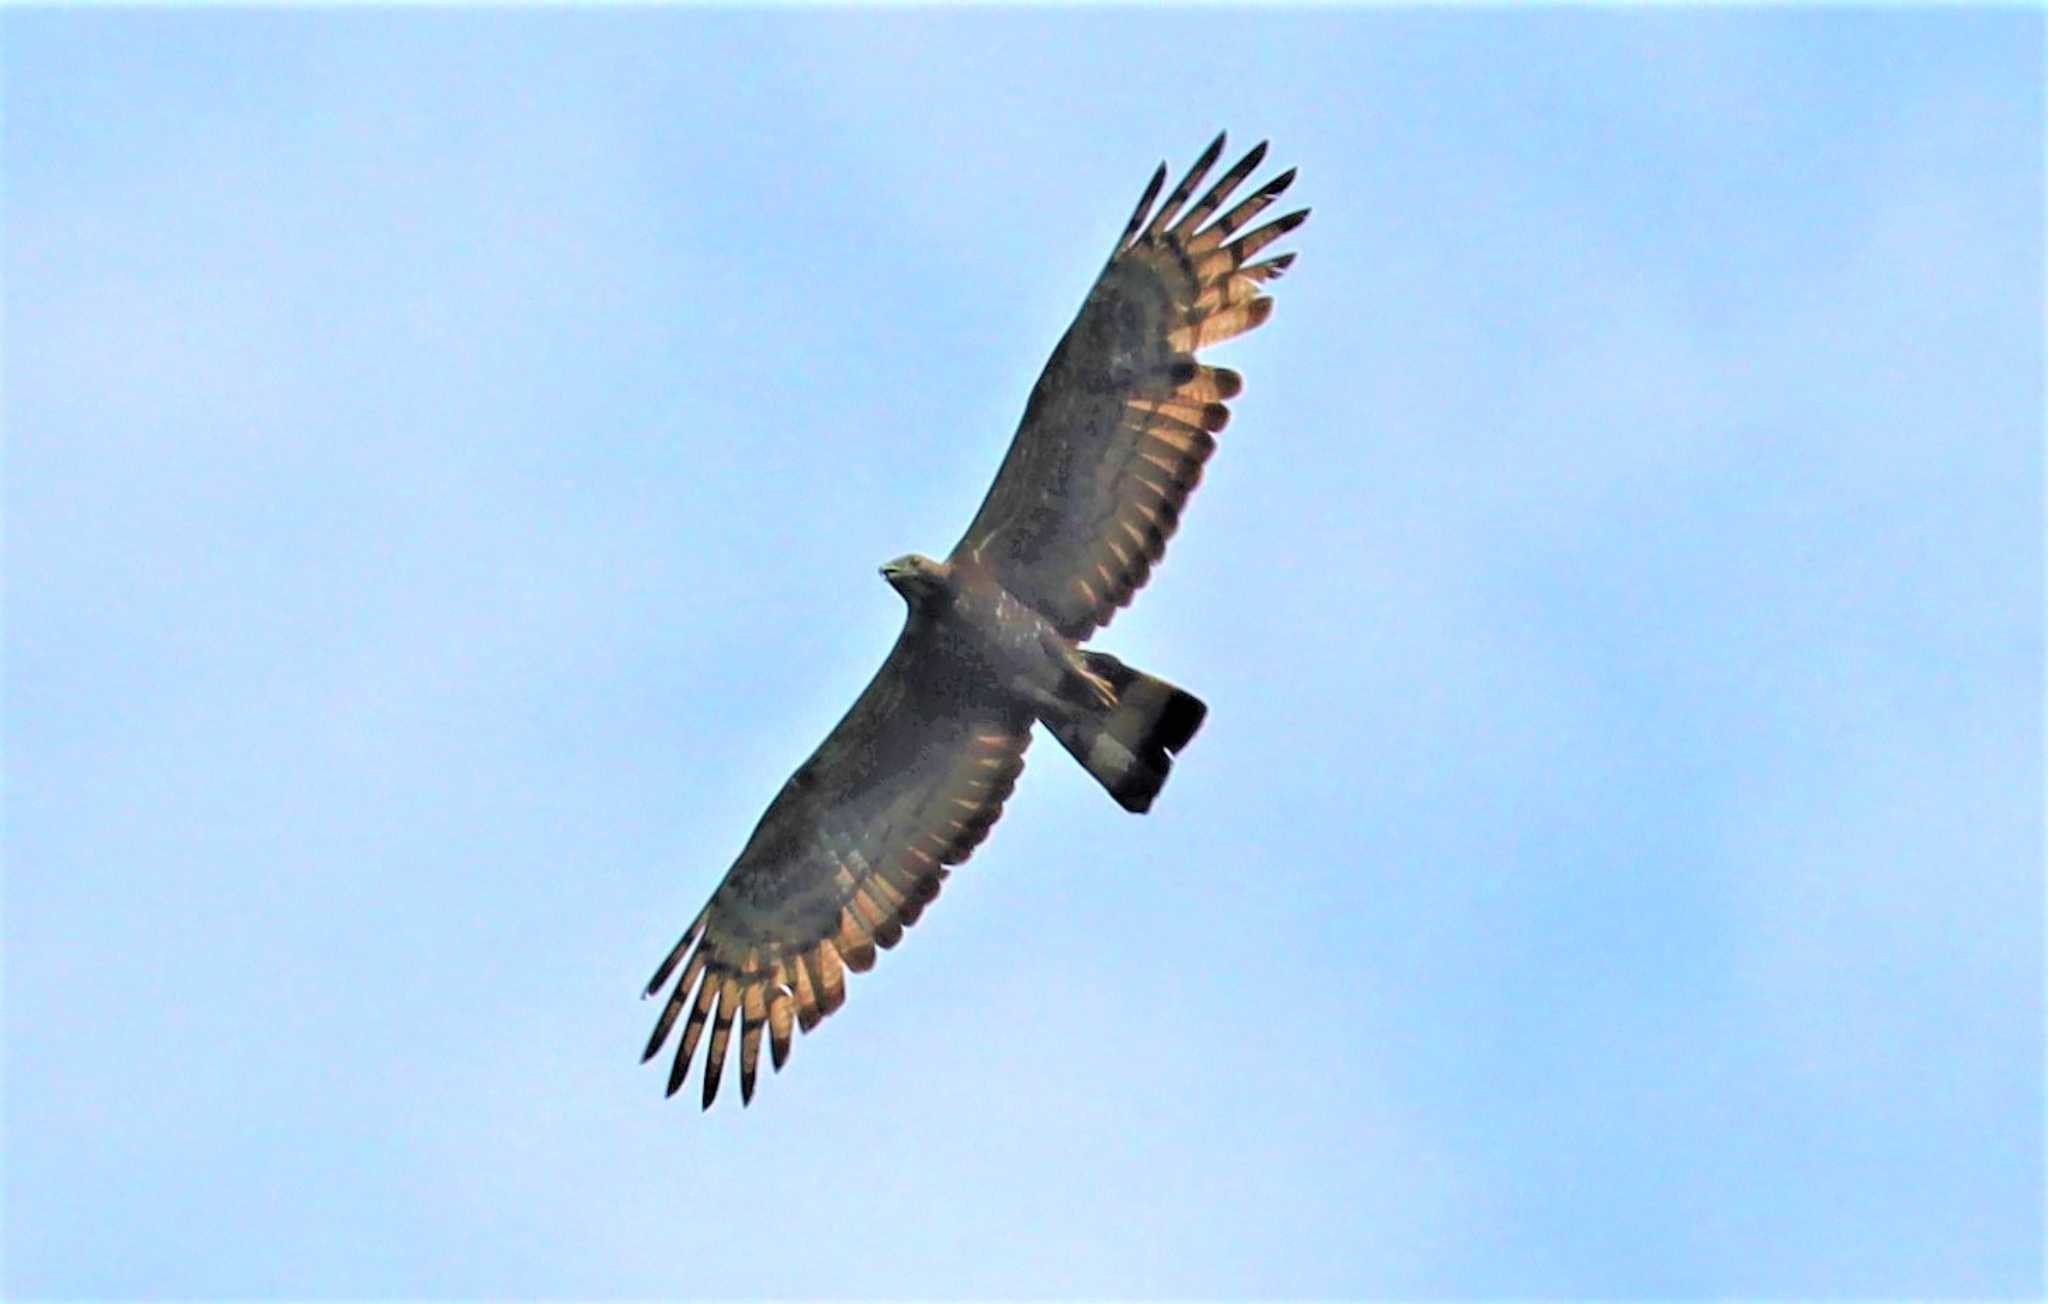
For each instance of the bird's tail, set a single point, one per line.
(1128, 745)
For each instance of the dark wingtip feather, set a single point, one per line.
(830, 1003)
(1219, 192)
(1270, 270)
(1244, 247)
(1144, 205)
(662, 1027)
(1207, 160)
(1171, 208)
(675, 955)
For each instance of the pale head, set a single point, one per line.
(918, 578)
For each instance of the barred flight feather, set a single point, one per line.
(1176, 284)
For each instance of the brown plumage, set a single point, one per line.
(1111, 445)
(1124, 417)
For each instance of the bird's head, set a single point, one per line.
(919, 579)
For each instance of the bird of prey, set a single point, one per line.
(1112, 442)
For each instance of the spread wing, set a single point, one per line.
(848, 855)
(1120, 422)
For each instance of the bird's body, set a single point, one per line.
(990, 629)
(1111, 445)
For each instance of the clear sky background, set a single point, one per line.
(447, 457)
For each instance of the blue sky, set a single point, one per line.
(447, 456)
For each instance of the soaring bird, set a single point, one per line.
(1112, 443)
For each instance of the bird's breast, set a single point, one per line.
(1011, 636)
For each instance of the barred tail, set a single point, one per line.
(1129, 745)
